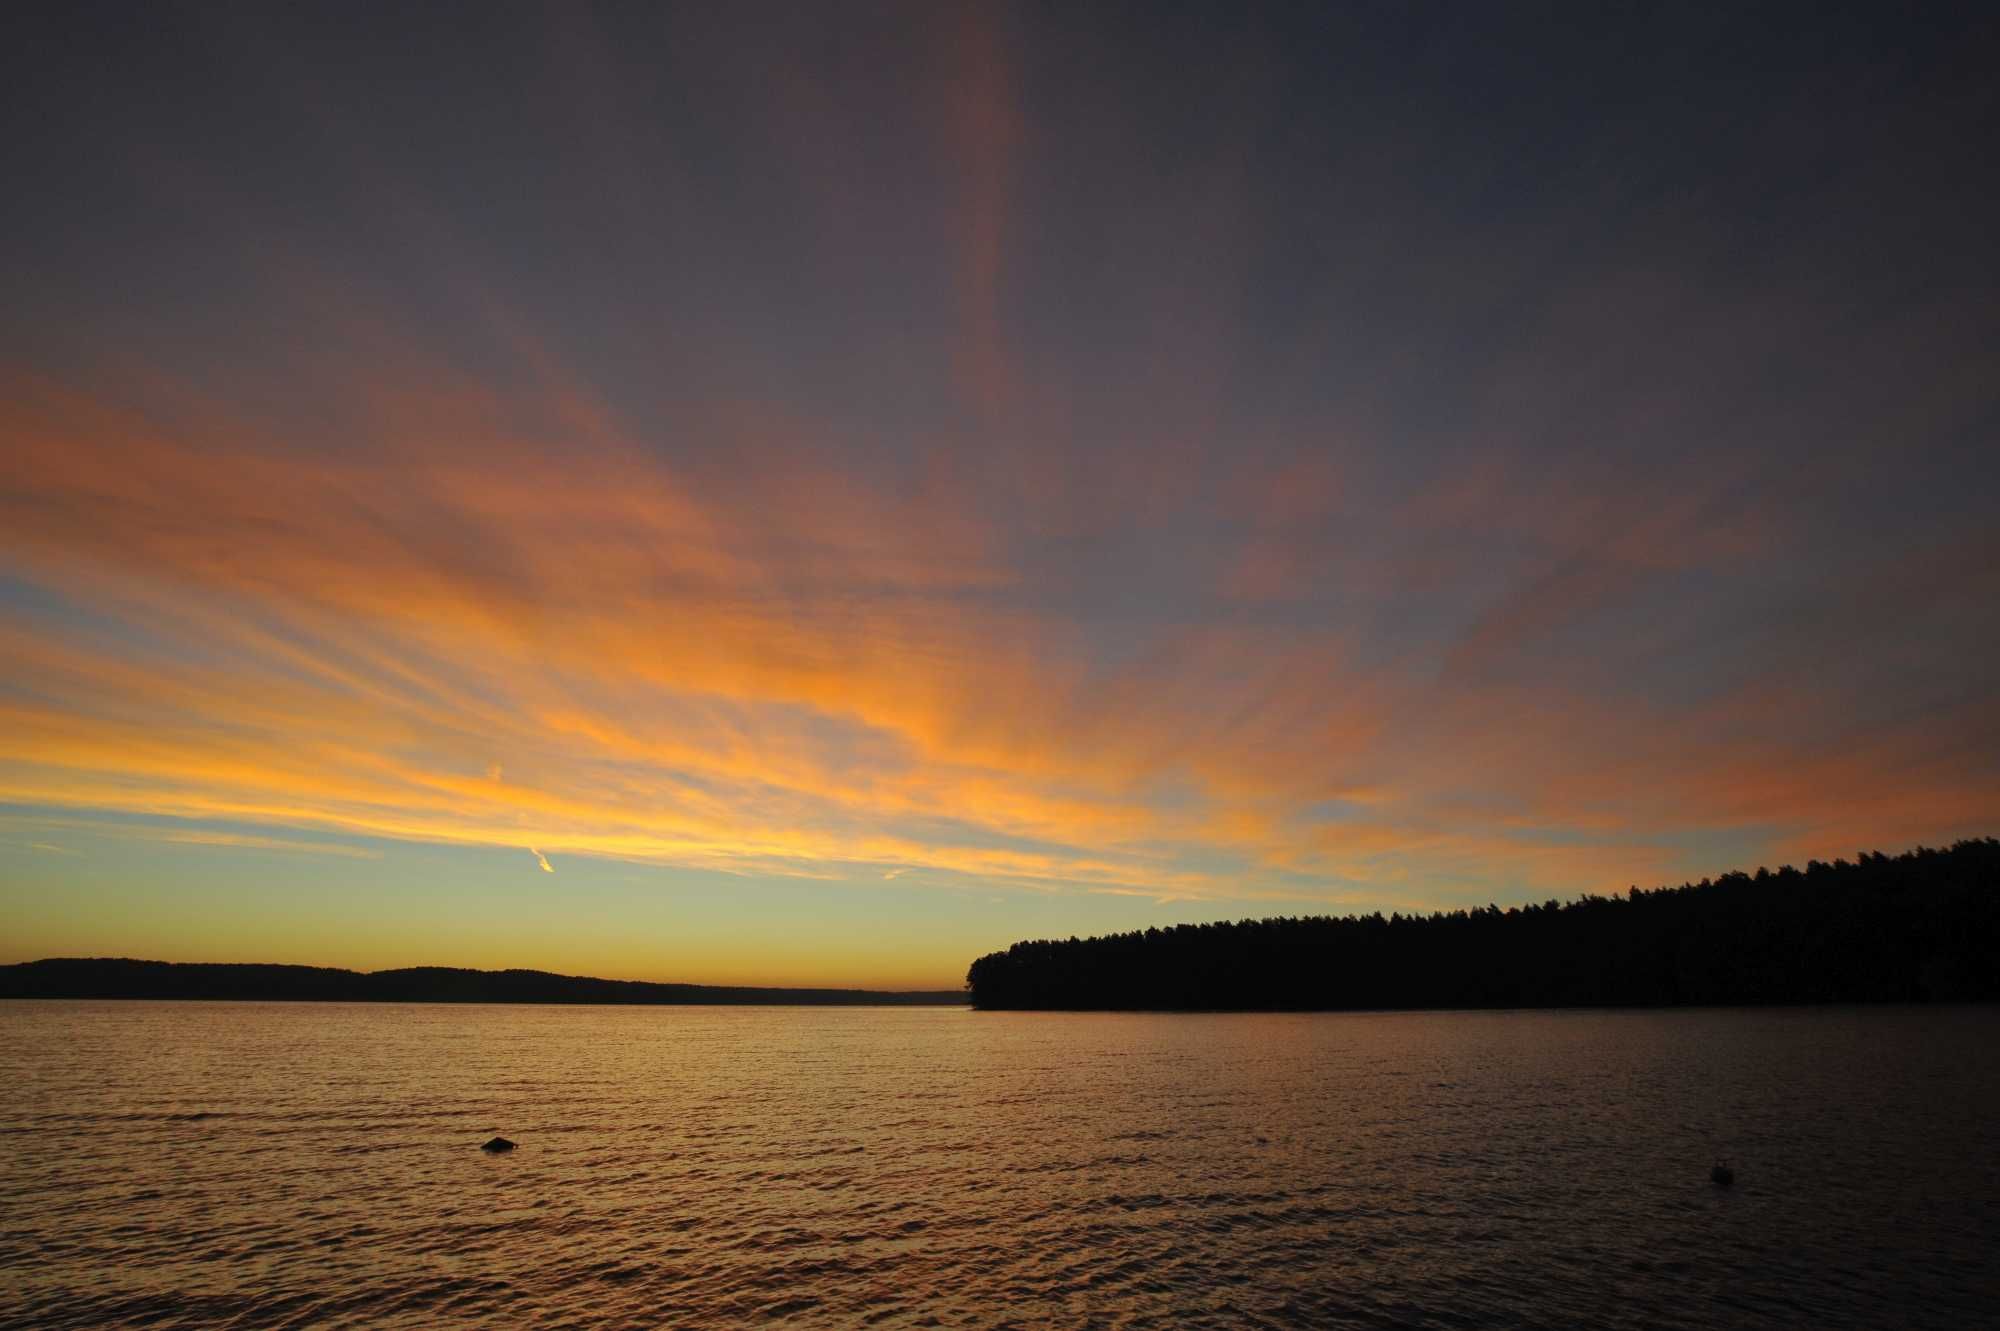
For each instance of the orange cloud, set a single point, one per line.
(782, 668)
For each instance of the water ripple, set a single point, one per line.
(189, 1165)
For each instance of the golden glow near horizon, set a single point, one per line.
(945, 533)
(497, 645)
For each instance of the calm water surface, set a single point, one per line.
(242, 1165)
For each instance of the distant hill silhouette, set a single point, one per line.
(1922, 926)
(107, 977)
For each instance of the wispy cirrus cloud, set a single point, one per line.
(1040, 471)
(314, 641)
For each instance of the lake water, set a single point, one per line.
(241, 1165)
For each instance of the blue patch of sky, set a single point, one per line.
(1333, 811)
(57, 617)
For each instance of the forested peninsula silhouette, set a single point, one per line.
(108, 977)
(1918, 927)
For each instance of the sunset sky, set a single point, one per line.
(813, 494)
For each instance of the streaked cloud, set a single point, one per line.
(1045, 471)
(205, 838)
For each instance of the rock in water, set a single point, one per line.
(498, 1144)
(1722, 1175)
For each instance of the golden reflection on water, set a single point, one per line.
(194, 1165)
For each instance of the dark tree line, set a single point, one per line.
(1919, 927)
(108, 977)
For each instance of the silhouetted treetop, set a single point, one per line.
(1921, 926)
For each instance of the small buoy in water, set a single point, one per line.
(1721, 1174)
(498, 1144)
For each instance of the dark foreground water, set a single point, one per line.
(242, 1165)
